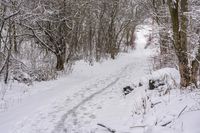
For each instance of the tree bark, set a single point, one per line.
(194, 72)
(9, 53)
(60, 62)
(184, 71)
(183, 59)
(180, 38)
(195, 67)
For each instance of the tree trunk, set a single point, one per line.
(180, 38)
(15, 38)
(185, 81)
(164, 41)
(60, 62)
(195, 67)
(184, 71)
(9, 53)
(194, 72)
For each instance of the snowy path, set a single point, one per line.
(70, 107)
(53, 117)
(117, 81)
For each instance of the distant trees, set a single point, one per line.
(40, 36)
(8, 43)
(76, 27)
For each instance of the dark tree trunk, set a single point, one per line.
(184, 70)
(133, 38)
(112, 41)
(183, 57)
(9, 54)
(180, 38)
(194, 72)
(195, 67)
(60, 62)
(15, 38)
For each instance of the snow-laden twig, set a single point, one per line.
(153, 104)
(163, 125)
(108, 128)
(182, 111)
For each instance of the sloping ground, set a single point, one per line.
(167, 109)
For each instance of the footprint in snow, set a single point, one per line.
(87, 122)
(82, 95)
(86, 114)
(83, 108)
(88, 89)
(99, 107)
(92, 116)
(68, 99)
(110, 97)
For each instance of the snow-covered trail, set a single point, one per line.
(69, 104)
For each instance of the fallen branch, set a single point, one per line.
(182, 111)
(109, 129)
(163, 125)
(154, 104)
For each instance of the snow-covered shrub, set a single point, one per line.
(24, 74)
(22, 77)
(43, 74)
(164, 80)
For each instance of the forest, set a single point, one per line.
(41, 37)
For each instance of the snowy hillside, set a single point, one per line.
(91, 99)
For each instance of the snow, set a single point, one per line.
(92, 95)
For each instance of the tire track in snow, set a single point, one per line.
(60, 125)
